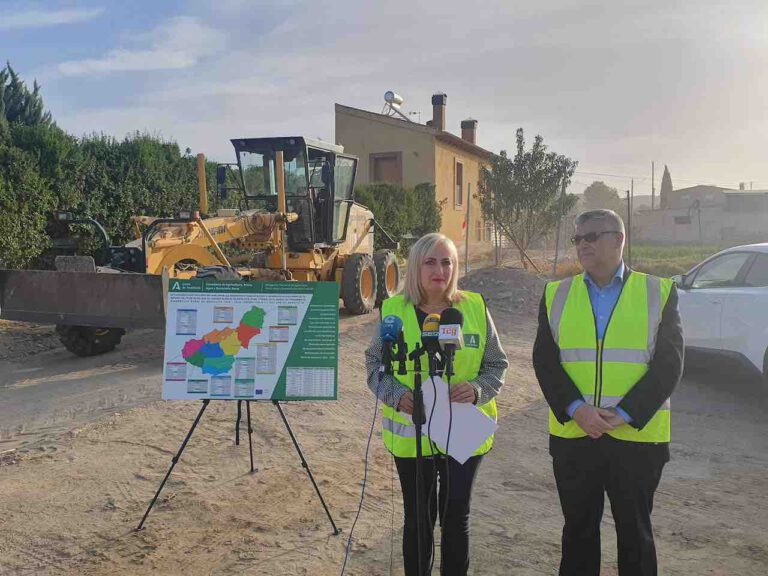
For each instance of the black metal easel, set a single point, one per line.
(304, 463)
(250, 428)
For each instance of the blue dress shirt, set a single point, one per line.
(603, 302)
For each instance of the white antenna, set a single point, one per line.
(392, 103)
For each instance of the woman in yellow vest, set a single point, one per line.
(431, 286)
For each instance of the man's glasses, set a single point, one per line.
(590, 237)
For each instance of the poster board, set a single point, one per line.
(230, 340)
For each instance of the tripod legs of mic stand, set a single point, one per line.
(174, 460)
(304, 464)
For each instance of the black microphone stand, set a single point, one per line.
(448, 353)
(434, 362)
(418, 420)
(386, 357)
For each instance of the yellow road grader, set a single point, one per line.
(298, 221)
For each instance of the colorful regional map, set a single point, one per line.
(215, 352)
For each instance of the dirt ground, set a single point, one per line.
(75, 478)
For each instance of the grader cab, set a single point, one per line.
(297, 221)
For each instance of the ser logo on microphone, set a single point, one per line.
(449, 332)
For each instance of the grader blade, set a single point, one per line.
(82, 298)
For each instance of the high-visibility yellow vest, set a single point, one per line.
(398, 431)
(604, 371)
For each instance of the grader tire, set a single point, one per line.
(89, 341)
(387, 274)
(358, 284)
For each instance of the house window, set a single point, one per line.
(458, 198)
(387, 167)
(479, 231)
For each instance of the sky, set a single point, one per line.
(615, 85)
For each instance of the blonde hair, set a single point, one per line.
(414, 291)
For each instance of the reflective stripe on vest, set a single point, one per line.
(398, 431)
(398, 428)
(611, 401)
(604, 371)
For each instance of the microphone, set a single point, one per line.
(390, 330)
(402, 353)
(450, 337)
(430, 332)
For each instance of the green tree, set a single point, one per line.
(401, 211)
(599, 195)
(24, 203)
(425, 211)
(42, 168)
(18, 104)
(522, 196)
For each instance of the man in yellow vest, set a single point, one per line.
(608, 354)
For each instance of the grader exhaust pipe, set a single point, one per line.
(202, 186)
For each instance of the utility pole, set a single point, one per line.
(467, 229)
(653, 188)
(698, 212)
(557, 238)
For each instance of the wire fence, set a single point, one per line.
(664, 260)
(538, 259)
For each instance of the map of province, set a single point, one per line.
(215, 352)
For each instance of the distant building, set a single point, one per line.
(407, 153)
(684, 197)
(710, 214)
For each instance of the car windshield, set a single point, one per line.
(721, 272)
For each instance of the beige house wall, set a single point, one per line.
(424, 158)
(361, 135)
(453, 216)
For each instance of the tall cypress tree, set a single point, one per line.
(666, 188)
(18, 104)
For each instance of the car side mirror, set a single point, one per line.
(681, 281)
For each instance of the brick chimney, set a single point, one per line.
(469, 130)
(438, 111)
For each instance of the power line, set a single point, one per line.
(629, 177)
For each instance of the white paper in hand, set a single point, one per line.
(469, 425)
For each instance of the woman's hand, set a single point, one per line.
(406, 403)
(463, 392)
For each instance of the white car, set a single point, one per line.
(724, 304)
